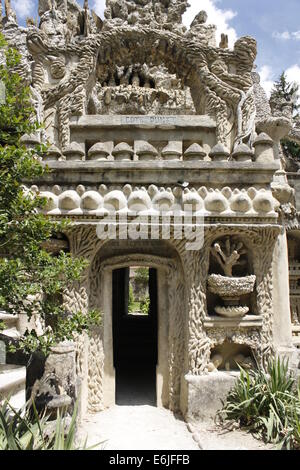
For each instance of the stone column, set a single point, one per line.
(282, 325)
(197, 343)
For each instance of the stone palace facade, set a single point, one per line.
(159, 130)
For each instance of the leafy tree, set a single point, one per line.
(290, 149)
(32, 280)
(290, 92)
(142, 276)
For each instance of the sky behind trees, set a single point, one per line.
(274, 23)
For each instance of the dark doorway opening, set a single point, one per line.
(135, 335)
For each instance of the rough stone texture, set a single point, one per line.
(231, 286)
(57, 386)
(210, 389)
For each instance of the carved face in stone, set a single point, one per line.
(58, 68)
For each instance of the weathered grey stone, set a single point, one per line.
(242, 153)
(194, 153)
(146, 151)
(263, 145)
(98, 152)
(219, 153)
(74, 152)
(52, 154)
(210, 389)
(123, 152)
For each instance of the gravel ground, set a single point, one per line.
(137, 428)
(212, 437)
(151, 428)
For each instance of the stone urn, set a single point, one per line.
(229, 254)
(231, 289)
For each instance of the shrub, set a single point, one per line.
(268, 403)
(26, 430)
(145, 305)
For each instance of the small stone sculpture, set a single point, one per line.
(229, 255)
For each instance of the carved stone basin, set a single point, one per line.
(232, 312)
(231, 287)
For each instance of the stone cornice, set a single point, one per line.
(160, 172)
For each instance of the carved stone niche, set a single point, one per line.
(231, 282)
(229, 356)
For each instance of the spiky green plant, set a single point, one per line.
(268, 403)
(26, 430)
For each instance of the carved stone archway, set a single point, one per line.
(171, 329)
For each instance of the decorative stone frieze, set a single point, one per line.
(202, 201)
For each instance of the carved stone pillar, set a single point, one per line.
(282, 326)
(196, 264)
(85, 244)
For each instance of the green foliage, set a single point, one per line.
(64, 329)
(131, 300)
(32, 281)
(283, 89)
(289, 92)
(142, 276)
(145, 305)
(268, 403)
(290, 149)
(17, 111)
(26, 430)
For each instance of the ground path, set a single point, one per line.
(150, 428)
(137, 428)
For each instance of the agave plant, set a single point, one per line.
(268, 403)
(26, 430)
(18, 431)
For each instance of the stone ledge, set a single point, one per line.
(249, 321)
(12, 380)
(162, 173)
(226, 166)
